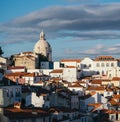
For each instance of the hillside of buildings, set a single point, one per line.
(36, 89)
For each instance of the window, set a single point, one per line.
(112, 64)
(97, 65)
(17, 92)
(6, 91)
(102, 72)
(89, 65)
(11, 93)
(102, 65)
(107, 64)
(112, 117)
(85, 65)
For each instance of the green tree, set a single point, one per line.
(1, 51)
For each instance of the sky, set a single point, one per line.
(74, 28)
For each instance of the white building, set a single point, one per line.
(10, 94)
(103, 64)
(87, 67)
(32, 78)
(3, 63)
(70, 74)
(57, 73)
(90, 99)
(37, 101)
(71, 62)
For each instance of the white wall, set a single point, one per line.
(104, 69)
(87, 63)
(70, 74)
(56, 65)
(34, 100)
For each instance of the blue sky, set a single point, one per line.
(74, 28)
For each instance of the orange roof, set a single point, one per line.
(16, 67)
(30, 75)
(71, 60)
(113, 102)
(39, 82)
(94, 104)
(92, 93)
(111, 112)
(105, 58)
(57, 71)
(116, 96)
(96, 88)
(27, 52)
(70, 66)
(16, 74)
(77, 85)
(96, 81)
(15, 113)
(116, 78)
(80, 82)
(89, 95)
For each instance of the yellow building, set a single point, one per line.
(27, 59)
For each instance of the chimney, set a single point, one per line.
(17, 105)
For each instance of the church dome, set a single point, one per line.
(43, 47)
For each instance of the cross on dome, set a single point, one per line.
(42, 36)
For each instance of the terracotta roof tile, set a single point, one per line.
(96, 88)
(71, 60)
(70, 66)
(116, 78)
(105, 58)
(57, 71)
(96, 81)
(16, 67)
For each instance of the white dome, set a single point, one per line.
(43, 47)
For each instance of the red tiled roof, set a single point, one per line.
(111, 111)
(15, 113)
(116, 96)
(27, 52)
(116, 78)
(70, 66)
(71, 60)
(105, 58)
(96, 88)
(16, 67)
(76, 85)
(113, 102)
(30, 75)
(16, 74)
(96, 81)
(57, 71)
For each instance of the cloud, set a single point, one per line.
(80, 23)
(91, 21)
(99, 49)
